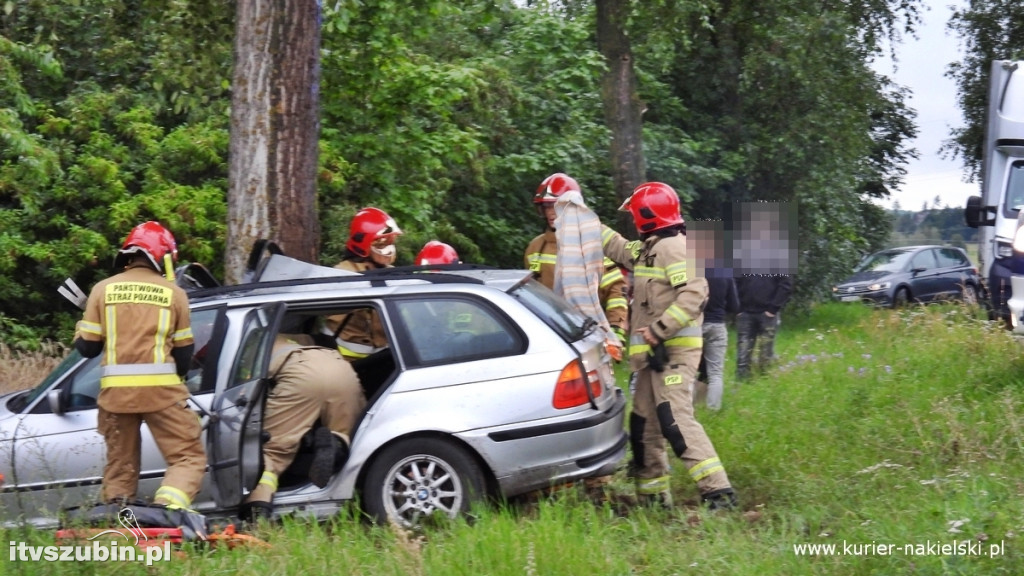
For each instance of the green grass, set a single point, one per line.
(876, 427)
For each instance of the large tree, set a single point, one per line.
(274, 130)
(623, 109)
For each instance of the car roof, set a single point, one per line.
(915, 248)
(282, 274)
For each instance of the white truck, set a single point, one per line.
(998, 213)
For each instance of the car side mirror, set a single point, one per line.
(919, 269)
(56, 402)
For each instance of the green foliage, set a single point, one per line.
(456, 132)
(782, 106)
(989, 30)
(447, 115)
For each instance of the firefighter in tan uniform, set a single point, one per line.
(665, 349)
(370, 245)
(311, 383)
(541, 256)
(139, 321)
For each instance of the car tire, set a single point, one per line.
(970, 295)
(901, 298)
(419, 477)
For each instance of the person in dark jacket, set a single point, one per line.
(723, 299)
(761, 298)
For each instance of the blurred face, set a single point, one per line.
(548, 211)
(382, 251)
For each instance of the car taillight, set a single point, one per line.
(571, 388)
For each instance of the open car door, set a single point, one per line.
(234, 443)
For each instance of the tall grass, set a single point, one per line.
(877, 427)
(20, 370)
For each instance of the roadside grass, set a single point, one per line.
(885, 433)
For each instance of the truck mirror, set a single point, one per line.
(976, 214)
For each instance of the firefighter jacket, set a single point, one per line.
(541, 257)
(665, 297)
(361, 332)
(139, 316)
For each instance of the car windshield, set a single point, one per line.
(18, 403)
(553, 310)
(885, 261)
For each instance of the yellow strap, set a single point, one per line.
(350, 354)
(652, 485)
(706, 468)
(90, 327)
(269, 479)
(173, 497)
(616, 303)
(140, 380)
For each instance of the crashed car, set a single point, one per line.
(518, 398)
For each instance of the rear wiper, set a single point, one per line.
(589, 325)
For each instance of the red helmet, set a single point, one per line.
(435, 252)
(150, 239)
(554, 186)
(654, 206)
(369, 225)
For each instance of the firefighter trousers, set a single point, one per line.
(176, 431)
(313, 385)
(663, 411)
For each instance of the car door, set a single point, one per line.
(925, 282)
(953, 267)
(234, 436)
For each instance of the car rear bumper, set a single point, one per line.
(549, 453)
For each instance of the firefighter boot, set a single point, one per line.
(327, 447)
(724, 499)
(252, 513)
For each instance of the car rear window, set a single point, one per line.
(553, 310)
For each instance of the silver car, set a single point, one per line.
(490, 386)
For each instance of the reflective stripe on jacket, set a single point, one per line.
(665, 298)
(140, 317)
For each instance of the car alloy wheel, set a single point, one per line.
(419, 477)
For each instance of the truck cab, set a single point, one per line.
(997, 213)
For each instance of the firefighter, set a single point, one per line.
(140, 321)
(310, 384)
(665, 349)
(541, 255)
(436, 252)
(370, 245)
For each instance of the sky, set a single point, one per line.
(920, 66)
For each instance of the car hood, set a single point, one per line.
(865, 276)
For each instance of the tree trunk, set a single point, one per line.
(622, 107)
(274, 131)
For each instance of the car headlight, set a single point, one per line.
(878, 286)
(1004, 249)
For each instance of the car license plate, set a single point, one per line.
(849, 298)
